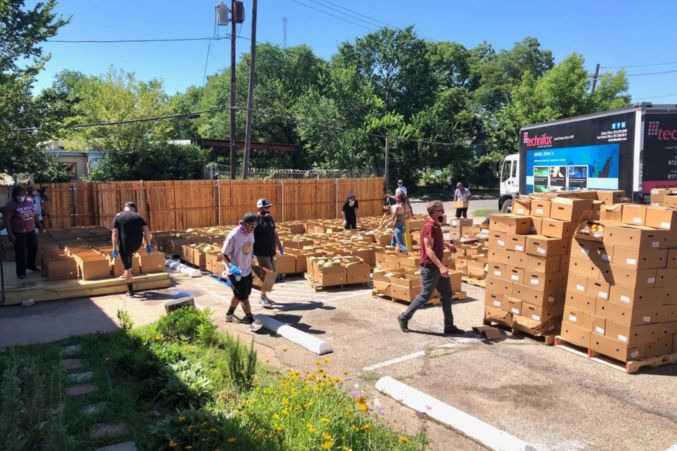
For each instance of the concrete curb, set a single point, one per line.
(303, 339)
(469, 426)
(187, 270)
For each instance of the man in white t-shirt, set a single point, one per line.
(238, 251)
(462, 195)
(400, 188)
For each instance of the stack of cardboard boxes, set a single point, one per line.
(664, 198)
(620, 300)
(529, 261)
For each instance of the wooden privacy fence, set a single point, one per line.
(178, 205)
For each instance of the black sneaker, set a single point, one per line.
(129, 294)
(404, 323)
(453, 330)
(36, 269)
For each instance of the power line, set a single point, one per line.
(122, 41)
(355, 12)
(655, 97)
(652, 73)
(346, 14)
(640, 65)
(336, 17)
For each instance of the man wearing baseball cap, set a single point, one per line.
(129, 230)
(238, 251)
(266, 242)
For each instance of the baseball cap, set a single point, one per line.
(351, 196)
(400, 181)
(130, 204)
(249, 218)
(263, 203)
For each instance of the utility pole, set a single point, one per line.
(233, 31)
(594, 79)
(387, 162)
(250, 96)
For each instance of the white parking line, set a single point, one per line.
(394, 361)
(672, 448)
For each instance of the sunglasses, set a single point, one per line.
(252, 224)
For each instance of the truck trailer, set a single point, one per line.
(632, 149)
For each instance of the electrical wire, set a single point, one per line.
(122, 41)
(638, 65)
(337, 17)
(655, 97)
(652, 73)
(355, 12)
(349, 15)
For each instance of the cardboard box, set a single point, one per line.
(211, 260)
(541, 312)
(518, 225)
(658, 196)
(498, 270)
(497, 285)
(494, 300)
(514, 242)
(152, 263)
(672, 258)
(610, 197)
(574, 334)
(582, 302)
(513, 305)
(639, 258)
(358, 273)
(535, 296)
(542, 246)
(580, 318)
(534, 327)
(665, 277)
(263, 279)
(59, 268)
(599, 289)
(540, 208)
(585, 194)
(626, 315)
(544, 265)
(459, 204)
(536, 226)
(660, 347)
(498, 316)
(630, 277)
(670, 200)
(496, 239)
(93, 268)
(545, 282)
(515, 275)
(615, 349)
(637, 237)
(569, 209)
(521, 206)
(285, 264)
(331, 276)
(381, 283)
(595, 251)
(610, 214)
(405, 289)
(632, 334)
(578, 283)
(661, 218)
(596, 209)
(555, 228)
(633, 297)
(462, 222)
(634, 214)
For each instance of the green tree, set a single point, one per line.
(22, 31)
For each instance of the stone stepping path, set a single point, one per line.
(93, 408)
(71, 350)
(71, 364)
(126, 446)
(107, 430)
(81, 377)
(80, 390)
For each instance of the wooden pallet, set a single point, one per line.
(630, 367)
(476, 282)
(546, 339)
(315, 284)
(458, 296)
(44, 290)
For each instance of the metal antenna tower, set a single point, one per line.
(284, 32)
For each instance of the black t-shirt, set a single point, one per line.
(264, 237)
(350, 211)
(130, 230)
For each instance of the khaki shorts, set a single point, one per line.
(267, 262)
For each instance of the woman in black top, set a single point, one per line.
(349, 212)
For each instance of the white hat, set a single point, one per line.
(262, 203)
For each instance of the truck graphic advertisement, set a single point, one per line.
(660, 150)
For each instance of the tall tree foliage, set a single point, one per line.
(22, 31)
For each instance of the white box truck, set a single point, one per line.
(632, 149)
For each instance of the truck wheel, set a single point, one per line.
(507, 206)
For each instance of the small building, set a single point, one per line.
(79, 163)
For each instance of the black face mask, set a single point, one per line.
(440, 219)
(265, 213)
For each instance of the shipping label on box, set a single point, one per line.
(541, 313)
(461, 222)
(545, 282)
(581, 301)
(521, 206)
(579, 318)
(574, 334)
(494, 300)
(540, 208)
(615, 349)
(661, 218)
(634, 214)
(634, 297)
(578, 283)
(497, 270)
(569, 209)
(638, 237)
(515, 275)
(639, 258)
(513, 305)
(598, 288)
(542, 246)
(497, 239)
(515, 243)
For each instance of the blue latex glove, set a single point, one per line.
(234, 270)
(149, 249)
(115, 253)
(281, 249)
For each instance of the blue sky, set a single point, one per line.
(612, 33)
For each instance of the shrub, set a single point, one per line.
(189, 324)
(242, 365)
(184, 384)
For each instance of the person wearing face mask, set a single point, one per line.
(238, 251)
(398, 215)
(266, 242)
(37, 201)
(433, 272)
(350, 212)
(21, 220)
(127, 234)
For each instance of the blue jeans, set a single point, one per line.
(431, 279)
(398, 237)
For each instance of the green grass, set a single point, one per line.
(483, 213)
(181, 385)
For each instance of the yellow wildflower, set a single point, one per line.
(327, 360)
(182, 418)
(189, 447)
(231, 440)
(355, 428)
(173, 444)
(276, 417)
(324, 420)
(318, 362)
(328, 444)
(404, 439)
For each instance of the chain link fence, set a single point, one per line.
(214, 171)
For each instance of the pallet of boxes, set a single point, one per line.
(529, 262)
(472, 258)
(621, 308)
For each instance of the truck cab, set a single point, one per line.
(509, 185)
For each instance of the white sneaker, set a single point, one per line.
(266, 303)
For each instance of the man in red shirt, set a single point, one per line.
(433, 272)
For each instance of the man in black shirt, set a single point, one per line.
(350, 212)
(266, 240)
(129, 230)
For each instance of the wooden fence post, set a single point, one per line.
(282, 186)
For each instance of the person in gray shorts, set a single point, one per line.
(266, 242)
